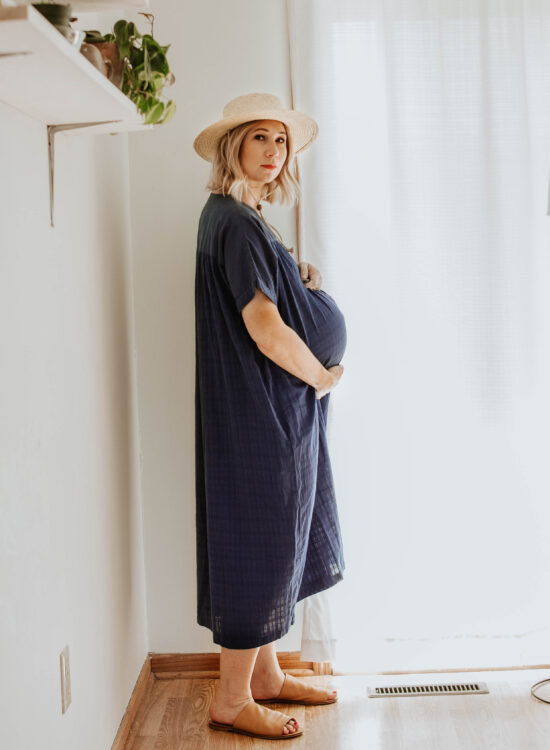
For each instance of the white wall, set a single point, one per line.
(71, 553)
(219, 50)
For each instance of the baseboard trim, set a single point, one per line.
(140, 695)
(182, 666)
(452, 670)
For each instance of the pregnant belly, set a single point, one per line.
(326, 333)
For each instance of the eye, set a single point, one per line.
(281, 138)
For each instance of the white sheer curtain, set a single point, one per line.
(426, 208)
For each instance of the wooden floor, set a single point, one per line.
(508, 718)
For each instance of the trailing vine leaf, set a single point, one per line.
(157, 82)
(121, 32)
(169, 112)
(154, 113)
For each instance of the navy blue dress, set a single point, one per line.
(266, 519)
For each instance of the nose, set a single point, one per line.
(270, 149)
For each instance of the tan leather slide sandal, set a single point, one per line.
(259, 722)
(298, 691)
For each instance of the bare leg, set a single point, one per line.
(267, 676)
(233, 690)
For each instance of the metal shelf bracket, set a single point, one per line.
(52, 130)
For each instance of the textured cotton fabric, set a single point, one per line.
(266, 519)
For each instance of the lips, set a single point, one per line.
(269, 166)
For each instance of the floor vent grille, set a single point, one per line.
(393, 691)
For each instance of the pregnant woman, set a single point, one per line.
(268, 347)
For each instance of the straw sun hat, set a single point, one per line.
(303, 129)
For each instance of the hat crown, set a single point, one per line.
(252, 103)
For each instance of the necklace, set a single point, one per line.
(258, 203)
(273, 229)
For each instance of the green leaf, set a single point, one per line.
(150, 42)
(93, 35)
(136, 57)
(122, 37)
(159, 63)
(169, 112)
(141, 102)
(154, 113)
(157, 82)
(146, 65)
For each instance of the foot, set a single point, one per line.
(225, 709)
(268, 687)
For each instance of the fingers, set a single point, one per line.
(337, 370)
(315, 277)
(310, 275)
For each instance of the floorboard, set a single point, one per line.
(508, 718)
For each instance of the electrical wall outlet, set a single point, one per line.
(65, 679)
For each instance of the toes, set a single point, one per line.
(291, 726)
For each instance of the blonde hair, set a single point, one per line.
(228, 178)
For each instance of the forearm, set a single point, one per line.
(290, 352)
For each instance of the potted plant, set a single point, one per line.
(57, 13)
(141, 63)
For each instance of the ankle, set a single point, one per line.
(268, 676)
(267, 666)
(228, 693)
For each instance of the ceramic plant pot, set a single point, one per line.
(111, 58)
(91, 53)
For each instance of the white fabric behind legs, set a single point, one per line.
(318, 641)
(425, 208)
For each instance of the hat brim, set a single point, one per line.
(303, 130)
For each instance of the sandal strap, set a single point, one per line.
(260, 720)
(295, 690)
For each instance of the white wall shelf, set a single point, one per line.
(48, 79)
(98, 5)
(83, 6)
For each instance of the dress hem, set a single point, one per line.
(315, 588)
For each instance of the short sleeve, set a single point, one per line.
(250, 263)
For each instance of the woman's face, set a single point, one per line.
(263, 152)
